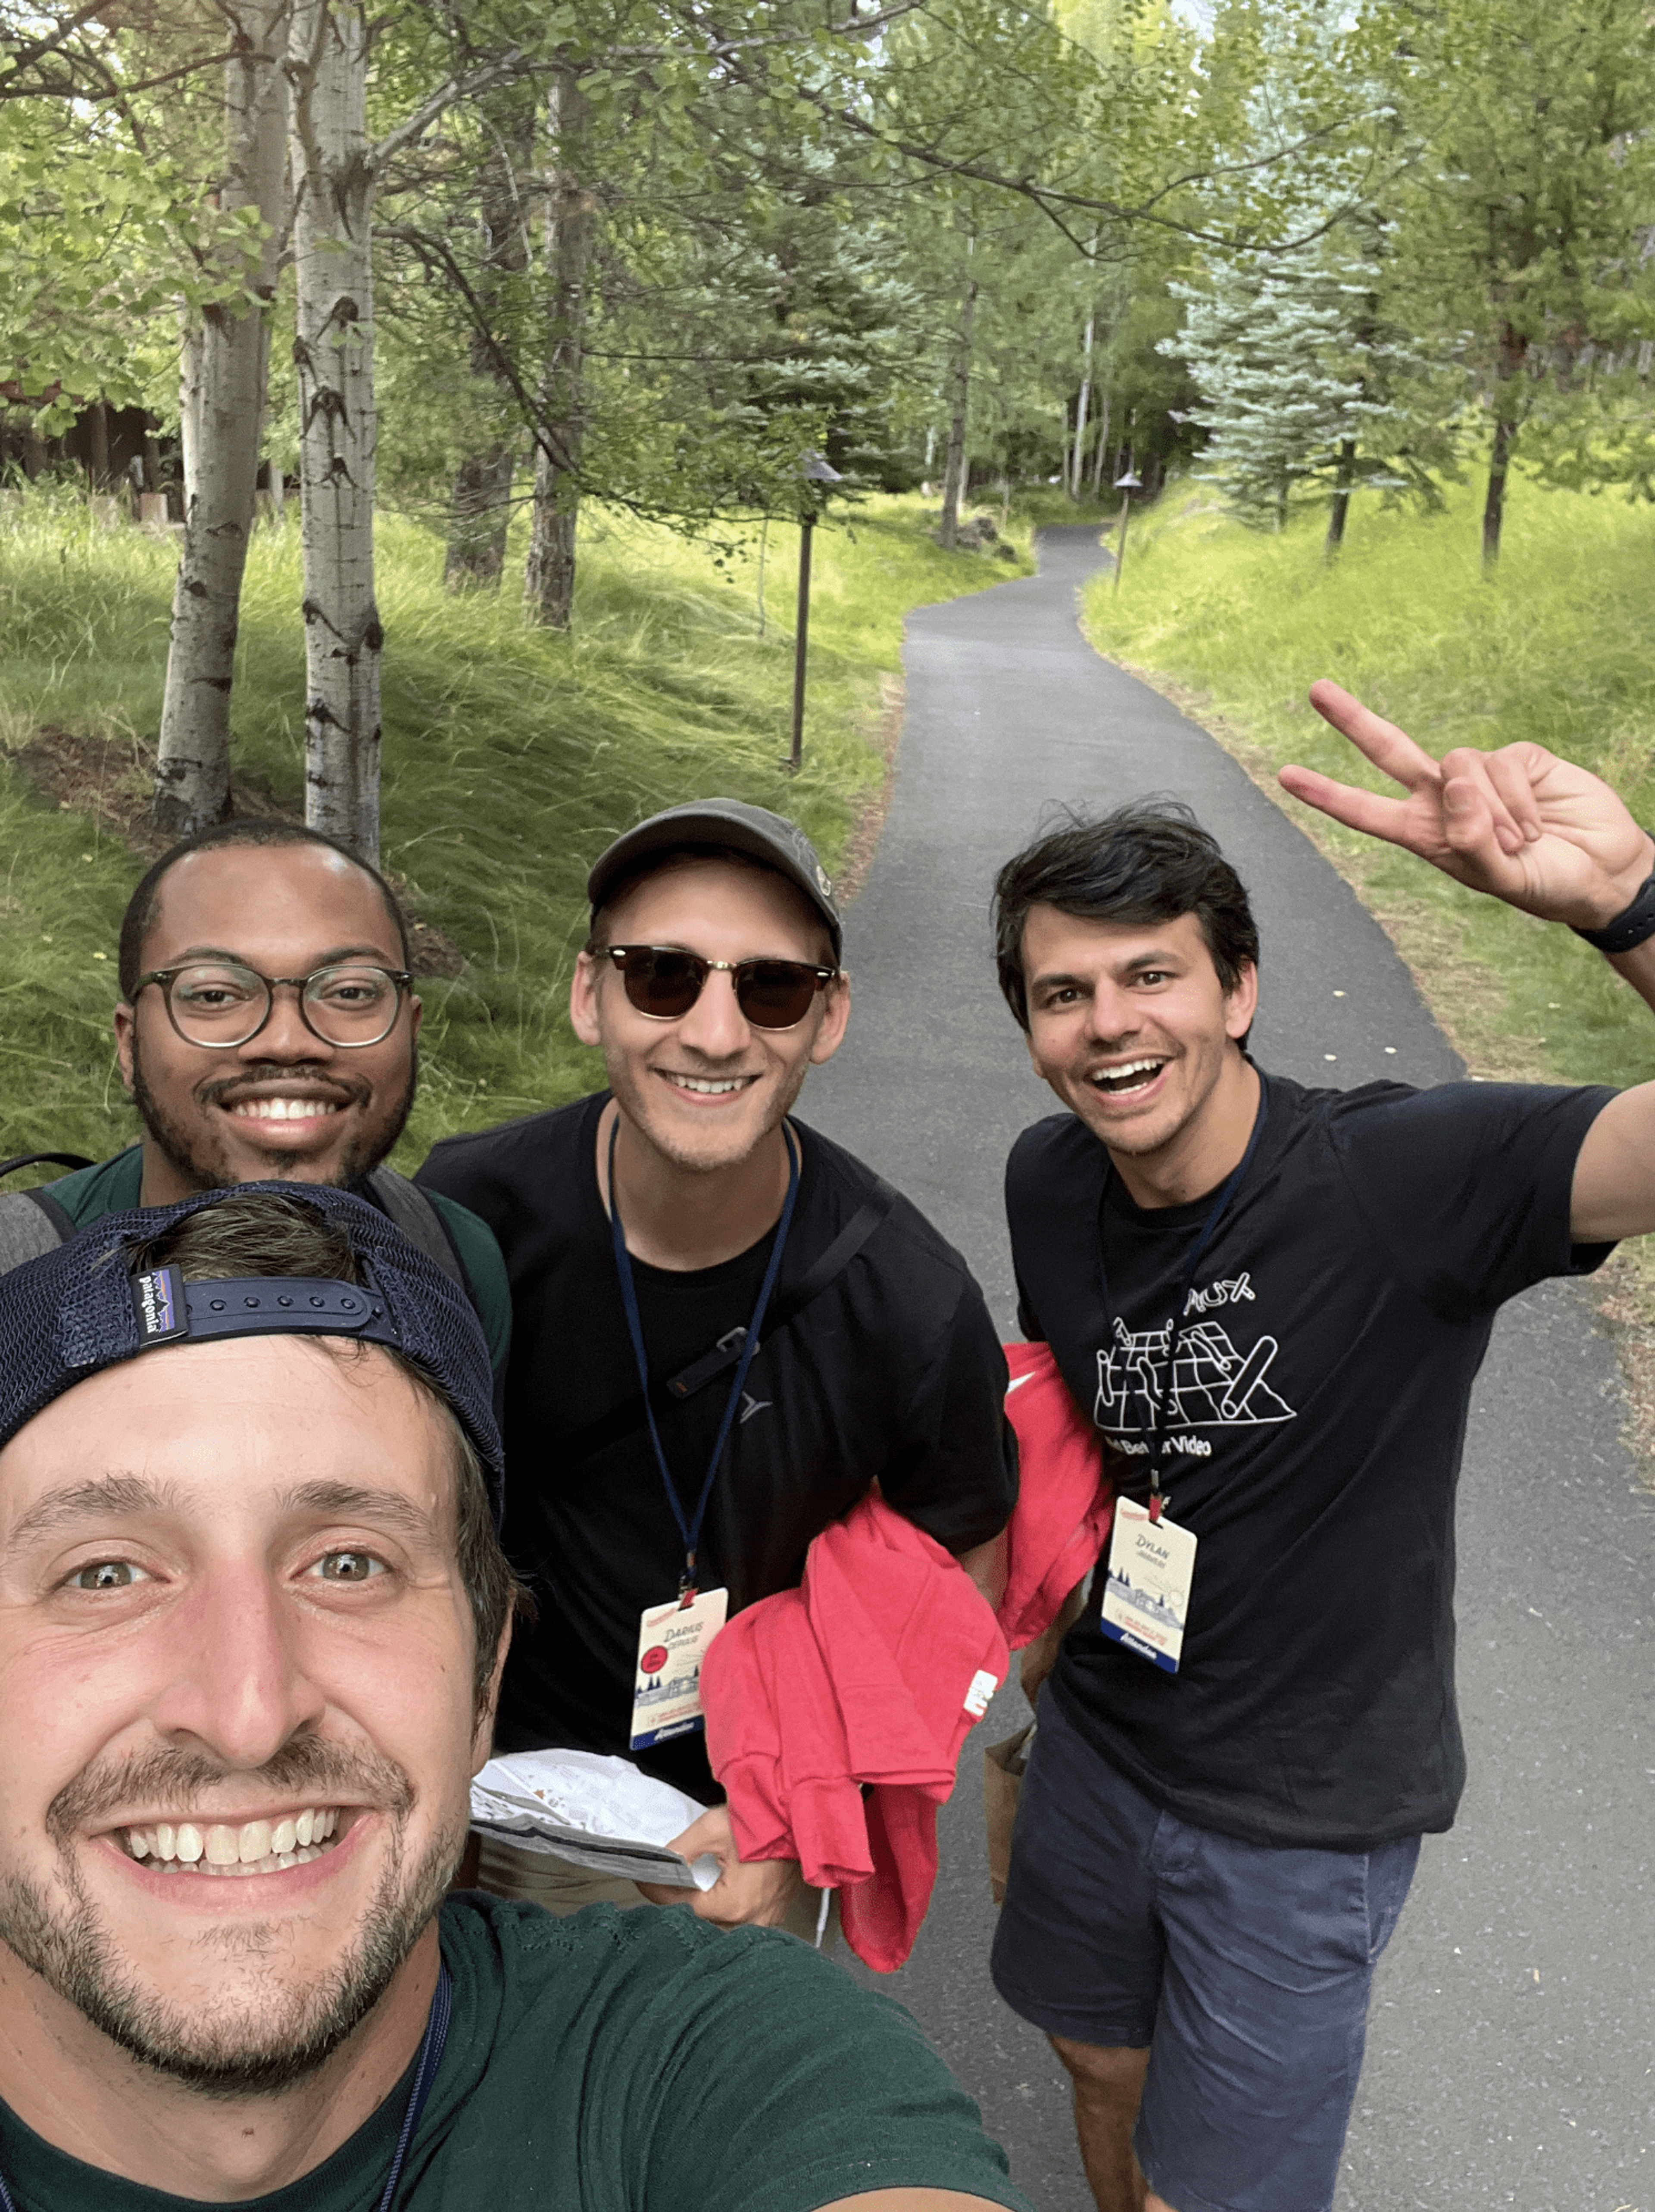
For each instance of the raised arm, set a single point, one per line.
(1545, 835)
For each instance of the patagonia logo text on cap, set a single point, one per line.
(158, 1301)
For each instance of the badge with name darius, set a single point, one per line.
(1147, 1594)
(673, 1641)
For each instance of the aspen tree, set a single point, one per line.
(221, 404)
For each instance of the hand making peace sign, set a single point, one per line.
(1518, 822)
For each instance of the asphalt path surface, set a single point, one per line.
(1510, 2060)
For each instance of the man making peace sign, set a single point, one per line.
(1273, 1301)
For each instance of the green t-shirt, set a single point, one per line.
(113, 1187)
(626, 2062)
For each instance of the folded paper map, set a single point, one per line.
(600, 1813)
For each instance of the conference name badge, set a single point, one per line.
(1147, 1592)
(673, 1641)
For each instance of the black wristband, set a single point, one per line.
(1630, 927)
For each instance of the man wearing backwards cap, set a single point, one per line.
(805, 1332)
(250, 1659)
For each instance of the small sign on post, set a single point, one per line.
(1126, 485)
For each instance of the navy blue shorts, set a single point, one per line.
(1245, 1969)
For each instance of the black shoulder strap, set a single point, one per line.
(420, 1221)
(44, 1159)
(719, 1358)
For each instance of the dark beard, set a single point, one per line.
(355, 1162)
(73, 1955)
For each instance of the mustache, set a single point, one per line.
(305, 1766)
(352, 1088)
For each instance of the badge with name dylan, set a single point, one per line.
(673, 1641)
(1147, 1594)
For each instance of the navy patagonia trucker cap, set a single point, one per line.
(91, 1304)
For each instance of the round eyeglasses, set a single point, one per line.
(220, 1004)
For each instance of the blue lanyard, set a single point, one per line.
(1233, 1183)
(425, 2072)
(690, 1530)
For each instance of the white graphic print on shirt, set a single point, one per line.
(1215, 1383)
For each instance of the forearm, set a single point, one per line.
(1041, 1657)
(1614, 1191)
(985, 1565)
(1638, 967)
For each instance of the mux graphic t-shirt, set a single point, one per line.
(625, 2062)
(1315, 1422)
(894, 1373)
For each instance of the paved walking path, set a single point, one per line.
(1511, 2060)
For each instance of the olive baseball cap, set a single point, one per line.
(769, 838)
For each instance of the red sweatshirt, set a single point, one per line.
(875, 1668)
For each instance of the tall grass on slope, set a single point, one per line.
(1556, 647)
(511, 756)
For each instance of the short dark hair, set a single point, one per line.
(139, 918)
(1148, 861)
(262, 1233)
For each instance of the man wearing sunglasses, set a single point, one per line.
(266, 1031)
(725, 1329)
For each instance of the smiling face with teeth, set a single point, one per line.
(705, 1092)
(1130, 1025)
(236, 1734)
(286, 1104)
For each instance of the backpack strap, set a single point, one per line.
(418, 1219)
(720, 1357)
(46, 1159)
(32, 1224)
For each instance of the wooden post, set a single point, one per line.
(800, 637)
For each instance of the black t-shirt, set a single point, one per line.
(893, 1373)
(1336, 1323)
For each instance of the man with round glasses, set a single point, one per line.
(266, 1031)
(725, 1329)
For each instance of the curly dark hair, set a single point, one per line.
(1148, 861)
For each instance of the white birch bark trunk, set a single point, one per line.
(1103, 445)
(549, 579)
(224, 361)
(333, 196)
(1077, 471)
(960, 380)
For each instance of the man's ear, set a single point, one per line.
(124, 1019)
(831, 1034)
(483, 1735)
(583, 1001)
(1241, 1004)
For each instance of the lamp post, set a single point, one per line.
(815, 470)
(1126, 486)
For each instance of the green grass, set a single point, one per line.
(1555, 648)
(511, 757)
